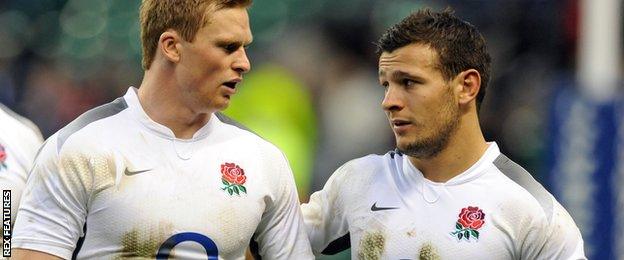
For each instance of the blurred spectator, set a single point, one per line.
(278, 107)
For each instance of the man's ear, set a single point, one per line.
(169, 45)
(469, 82)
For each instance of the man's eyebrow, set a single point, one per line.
(231, 40)
(397, 74)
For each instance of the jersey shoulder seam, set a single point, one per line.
(23, 121)
(521, 177)
(89, 117)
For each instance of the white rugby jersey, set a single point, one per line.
(132, 189)
(383, 208)
(19, 141)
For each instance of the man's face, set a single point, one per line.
(214, 62)
(420, 104)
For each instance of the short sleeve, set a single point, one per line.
(324, 214)
(555, 238)
(19, 147)
(281, 232)
(53, 209)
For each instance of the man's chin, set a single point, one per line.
(223, 107)
(402, 146)
(422, 149)
(403, 142)
(222, 104)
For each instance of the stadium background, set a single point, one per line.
(313, 89)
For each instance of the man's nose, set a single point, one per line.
(393, 100)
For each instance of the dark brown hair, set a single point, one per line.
(459, 45)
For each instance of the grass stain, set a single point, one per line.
(143, 244)
(371, 246)
(134, 246)
(428, 252)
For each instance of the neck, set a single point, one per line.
(465, 148)
(163, 102)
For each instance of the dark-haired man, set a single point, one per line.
(445, 193)
(158, 173)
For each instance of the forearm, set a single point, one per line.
(28, 254)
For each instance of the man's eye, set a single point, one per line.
(408, 82)
(230, 48)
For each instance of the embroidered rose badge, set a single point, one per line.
(233, 177)
(3, 157)
(470, 220)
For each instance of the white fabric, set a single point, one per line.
(20, 140)
(425, 214)
(179, 191)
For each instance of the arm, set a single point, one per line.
(324, 217)
(20, 148)
(27, 254)
(53, 207)
(557, 239)
(281, 232)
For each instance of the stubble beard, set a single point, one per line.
(430, 146)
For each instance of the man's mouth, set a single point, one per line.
(400, 122)
(400, 126)
(230, 84)
(231, 87)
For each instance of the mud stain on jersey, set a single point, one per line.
(144, 243)
(103, 173)
(428, 252)
(89, 172)
(372, 246)
(133, 245)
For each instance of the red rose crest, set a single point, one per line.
(3, 157)
(233, 178)
(470, 220)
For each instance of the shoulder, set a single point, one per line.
(19, 127)
(546, 227)
(520, 189)
(87, 128)
(369, 163)
(247, 137)
(362, 170)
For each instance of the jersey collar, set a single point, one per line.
(138, 113)
(468, 175)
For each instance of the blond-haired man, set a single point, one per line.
(158, 173)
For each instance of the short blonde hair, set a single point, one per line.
(184, 16)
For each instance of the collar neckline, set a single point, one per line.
(475, 171)
(132, 99)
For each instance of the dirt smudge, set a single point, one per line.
(372, 246)
(142, 242)
(428, 252)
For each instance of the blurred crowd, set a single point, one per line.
(313, 88)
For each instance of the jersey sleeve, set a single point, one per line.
(20, 147)
(324, 214)
(53, 209)
(554, 238)
(281, 232)
(15, 170)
